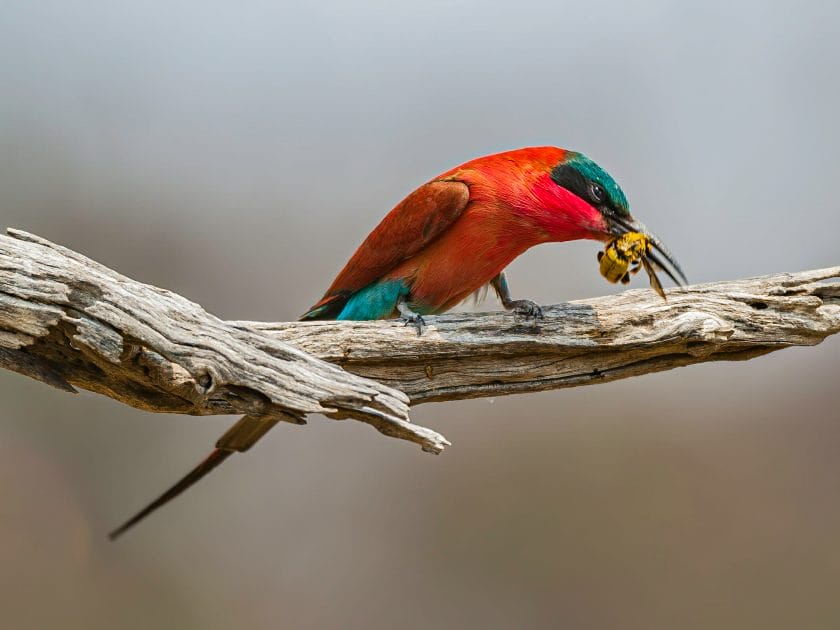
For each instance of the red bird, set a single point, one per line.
(457, 233)
(451, 237)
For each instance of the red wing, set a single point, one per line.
(414, 223)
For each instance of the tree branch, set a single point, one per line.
(465, 355)
(69, 321)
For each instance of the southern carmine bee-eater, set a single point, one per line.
(456, 234)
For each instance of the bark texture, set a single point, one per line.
(71, 322)
(464, 355)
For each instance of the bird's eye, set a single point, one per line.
(596, 191)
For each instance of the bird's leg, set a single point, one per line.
(525, 308)
(411, 317)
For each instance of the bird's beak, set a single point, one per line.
(621, 225)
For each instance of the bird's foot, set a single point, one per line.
(526, 309)
(415, 320)
(410, 317)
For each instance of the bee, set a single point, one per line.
(625, 255)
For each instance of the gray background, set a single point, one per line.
(216, 149)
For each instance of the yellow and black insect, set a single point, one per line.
(625, 255)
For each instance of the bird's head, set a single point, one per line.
(584, 178)
(583, 190)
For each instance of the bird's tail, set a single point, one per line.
(328, 308)
(210, 462)
(240, 437)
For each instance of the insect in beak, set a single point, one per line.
(620, 225)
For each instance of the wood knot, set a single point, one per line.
(83, 293)
(204, 382)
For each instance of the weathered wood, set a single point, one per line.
(579, 343)
(69, 321)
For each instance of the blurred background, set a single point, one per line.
(217, 148)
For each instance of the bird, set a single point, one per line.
(455, 235)
(450, 238)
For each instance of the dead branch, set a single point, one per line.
(69, 321)
(465, 355)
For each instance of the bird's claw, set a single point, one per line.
(415, 320)
(527, 309)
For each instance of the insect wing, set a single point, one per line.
(654, 280)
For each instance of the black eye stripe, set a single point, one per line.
(572, 180)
